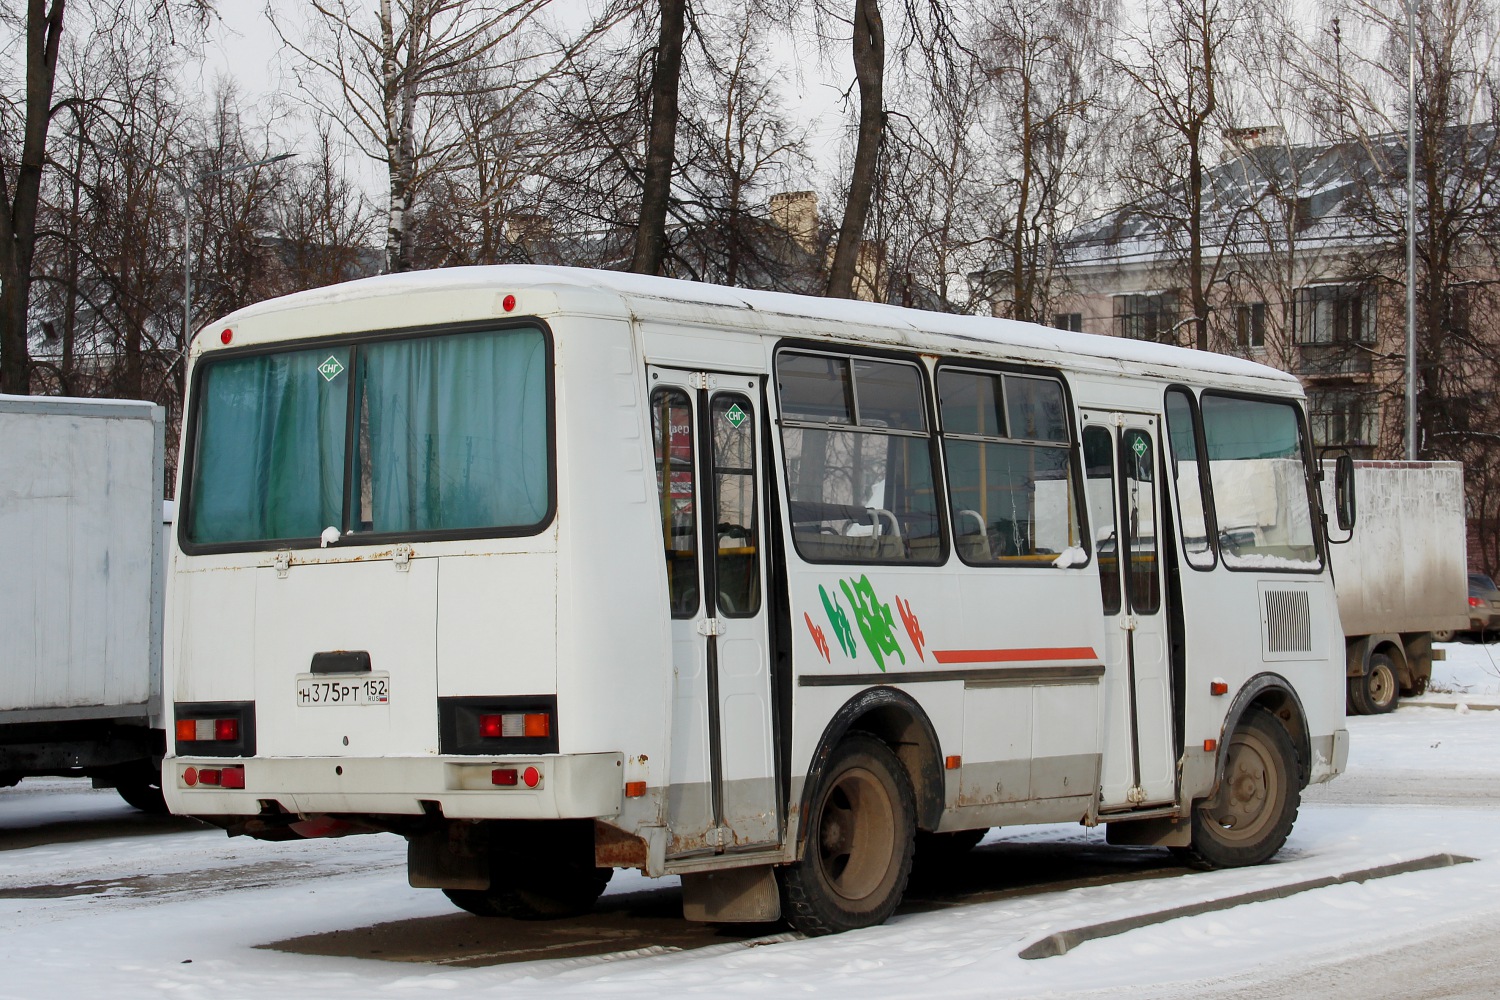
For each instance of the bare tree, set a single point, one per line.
(395, 75)
(1179, 60)
(1049, 68)
(21, 180)
(661, 143)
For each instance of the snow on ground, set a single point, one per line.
(181, 914)
(1470, 673)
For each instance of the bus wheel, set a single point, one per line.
(1250, 816)
(858, 850)
(553, 894)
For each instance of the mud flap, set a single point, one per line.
(453, 856)
(734, 895)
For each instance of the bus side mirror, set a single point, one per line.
(1345, 503)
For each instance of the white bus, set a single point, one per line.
(554, 571)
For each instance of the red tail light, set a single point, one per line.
(207, 730)
(509, 724)
(1476, 602)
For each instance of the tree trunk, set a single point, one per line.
(661, 147)
(397, 101)
(869, 70)
(18, 220)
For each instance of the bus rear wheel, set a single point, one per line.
(861, 829)
(559, 877)
(1250, 816)
(553, 895)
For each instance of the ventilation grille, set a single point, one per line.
(1288, 622)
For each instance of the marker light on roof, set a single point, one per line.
(508, 303)
(226, 336)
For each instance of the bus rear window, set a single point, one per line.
(450, 435)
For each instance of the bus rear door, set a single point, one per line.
(706, 432)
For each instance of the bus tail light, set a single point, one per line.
(215, 729)
(232, 776)
(503, 776)
(532, 725)
(503, 724)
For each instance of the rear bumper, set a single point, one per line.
(571, 786)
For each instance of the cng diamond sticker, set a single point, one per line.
(1139, 447)
(330, 369)
(736, 416)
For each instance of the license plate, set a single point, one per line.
(316, 690)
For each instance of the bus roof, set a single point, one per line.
(674, 300)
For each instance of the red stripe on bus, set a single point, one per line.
(1013, 655)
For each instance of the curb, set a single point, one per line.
(1453, 705)
(1063, 942)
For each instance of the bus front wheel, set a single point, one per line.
(861, 828)
(1249, 817)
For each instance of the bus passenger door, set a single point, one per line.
(707, 431)
(1139, 767)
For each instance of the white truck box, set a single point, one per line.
(82, 593)
(1402, 574)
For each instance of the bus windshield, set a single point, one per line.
(450, 434)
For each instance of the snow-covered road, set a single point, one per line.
(97, 901)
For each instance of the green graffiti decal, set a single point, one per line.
(840, 622)
(874, 620)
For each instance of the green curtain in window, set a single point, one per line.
(270, 456)
(457, 431)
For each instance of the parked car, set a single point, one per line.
(1484, 607)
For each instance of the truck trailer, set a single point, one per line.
(81, 525)
(1400, 575)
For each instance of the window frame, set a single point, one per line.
(1073, 447)
(851, 353)
(1164, 315)
(1304, 434)
(192, 437)
(1205, 486)
(1339, 294)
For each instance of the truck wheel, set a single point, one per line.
(145, 794)
(1251, 814)
(1444, 635)
(1382, 688)
(857, 852)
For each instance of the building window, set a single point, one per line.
(1458, 312)
(1250, 324)
(1336, 314)
(1345, 417)
(1068, 321)
(1149, 316)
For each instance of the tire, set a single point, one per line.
(143, 791)
(1444, 635)
(1382, 685)
(858, 844)
(565, 894)
(559, 879)
(1250, 816)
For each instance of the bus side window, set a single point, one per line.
(859, 460)
(1099, 484)
(1009, 465)
(736, 563)
(672, 441)
(1182, 439)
